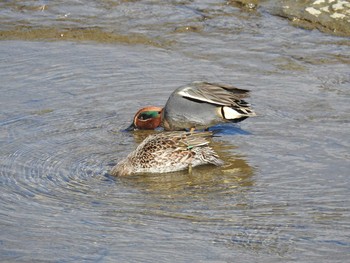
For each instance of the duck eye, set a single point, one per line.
(143, 116)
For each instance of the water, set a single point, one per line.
(283, 193)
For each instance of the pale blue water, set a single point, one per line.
(282, 196)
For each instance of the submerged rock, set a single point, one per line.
(331, 16)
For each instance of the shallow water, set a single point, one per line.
(283, 193)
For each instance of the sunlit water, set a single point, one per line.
(283, 193)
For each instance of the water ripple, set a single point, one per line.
(280, 195)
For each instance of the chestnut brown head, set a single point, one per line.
(147, 118)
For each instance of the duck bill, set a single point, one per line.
(131, 127)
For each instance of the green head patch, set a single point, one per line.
(148, 115)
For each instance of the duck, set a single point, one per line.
(196, 106)
(169, 152)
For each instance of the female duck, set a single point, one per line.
(169, 152)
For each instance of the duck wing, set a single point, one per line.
(217, 94)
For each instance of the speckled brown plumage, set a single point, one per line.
(168, 152)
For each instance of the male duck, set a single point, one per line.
(199, 105)
(169, 152)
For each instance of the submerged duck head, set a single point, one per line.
(169, 152)
(147, 118)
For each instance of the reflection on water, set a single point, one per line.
(235, 173)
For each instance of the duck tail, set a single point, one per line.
(236, 114)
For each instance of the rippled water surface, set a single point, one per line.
(72, 76)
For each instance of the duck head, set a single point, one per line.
(147, 118)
